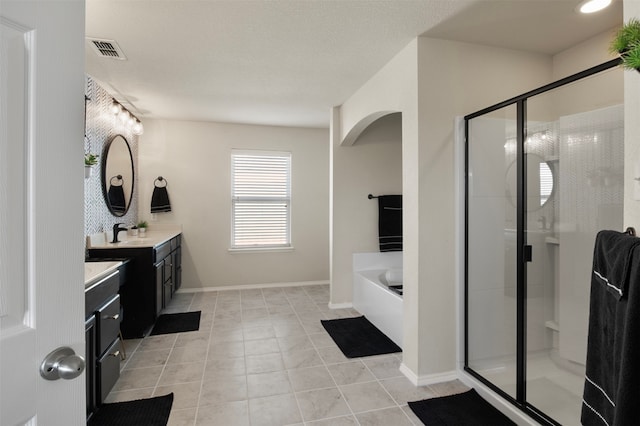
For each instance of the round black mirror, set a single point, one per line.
(117, 175)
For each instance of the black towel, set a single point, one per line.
(116, 198)
(611, 391)
(390, 222)
(160, 200)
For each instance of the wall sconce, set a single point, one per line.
(125, 117)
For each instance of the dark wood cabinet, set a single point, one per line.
(108, 370)
(159, 286)
(102, 328)
(108, 323)
(177, 273)
(90, 360)
(154, 274)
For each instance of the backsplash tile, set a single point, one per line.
(100, 127)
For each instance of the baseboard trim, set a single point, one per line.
(346, 305)
(252, 286)
(427, 379)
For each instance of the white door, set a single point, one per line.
(41, 207)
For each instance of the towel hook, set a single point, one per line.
(160, 179)
(631, 231)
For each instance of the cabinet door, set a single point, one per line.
(159, 286)
(177, 268)
(168, 280)
(108, 318)
(108, 370)
(90, 369)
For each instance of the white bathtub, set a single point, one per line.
(371, 294)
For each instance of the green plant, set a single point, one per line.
(143, 224)
(627, 37)
(626, 43)
(631, 58)
(90, 159)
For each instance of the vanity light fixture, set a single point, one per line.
(591, 6)
(126, 118)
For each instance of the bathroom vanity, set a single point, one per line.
(154, 275)
(102, 327)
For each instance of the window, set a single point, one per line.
(261, 195)
(546, 183)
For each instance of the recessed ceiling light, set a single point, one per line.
(591, 6)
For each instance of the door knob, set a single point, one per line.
(62, 363)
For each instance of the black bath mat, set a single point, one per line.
(176, 323)
(357, 337)
(466, 408)
(147, 412)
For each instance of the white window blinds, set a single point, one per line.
(546, 183)
(261, 195)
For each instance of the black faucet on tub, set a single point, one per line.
(116, 230)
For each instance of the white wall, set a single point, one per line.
(388, 90)
(194, 157)
(450, 87)
(431, 82)
(631, 134)
(373, 165)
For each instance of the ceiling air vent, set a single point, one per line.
(107, 49)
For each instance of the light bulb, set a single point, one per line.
(115, 108)
(123, 117)
(137, 129)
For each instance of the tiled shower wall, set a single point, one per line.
(100, 127)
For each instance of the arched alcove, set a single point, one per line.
(384, 130)
(363, 124)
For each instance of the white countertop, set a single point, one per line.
(154, 237)
(94, 271)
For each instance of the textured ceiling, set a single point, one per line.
(287, 62)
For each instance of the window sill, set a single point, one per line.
(261, 250)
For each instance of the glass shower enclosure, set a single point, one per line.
(544, 173)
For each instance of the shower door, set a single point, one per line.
(492, 245)
(543, 175)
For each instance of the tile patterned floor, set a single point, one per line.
(261, 357)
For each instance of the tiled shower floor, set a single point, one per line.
(261, 357)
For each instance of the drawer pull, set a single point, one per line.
(116, 353)
(113, 317)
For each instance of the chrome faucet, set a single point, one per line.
(116, 230)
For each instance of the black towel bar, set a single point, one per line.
(371, 196)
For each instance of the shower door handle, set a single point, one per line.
(528, 253)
